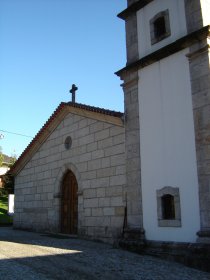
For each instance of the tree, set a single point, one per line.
(12, 160)
(1, 157)
(8, 179)
(8, 183)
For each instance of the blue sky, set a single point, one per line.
(46, 46)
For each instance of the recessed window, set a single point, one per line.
(160, 27)
(68, 142)
(168, 207)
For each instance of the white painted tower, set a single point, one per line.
(167, 102)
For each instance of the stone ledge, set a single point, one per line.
(170, 49)
(196, 255)
(133, 8)
(134, 234)
(204, 236)
(204, 233)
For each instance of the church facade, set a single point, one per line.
(71, 178)
(144, 174)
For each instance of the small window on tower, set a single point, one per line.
(159, 27)
(168, 207)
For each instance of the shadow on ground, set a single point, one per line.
(28, 255)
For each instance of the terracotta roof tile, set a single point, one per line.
(96, 109)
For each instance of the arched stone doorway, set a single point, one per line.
(69, 204)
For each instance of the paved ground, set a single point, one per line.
(25, 255)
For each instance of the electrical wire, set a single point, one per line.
(19, 134)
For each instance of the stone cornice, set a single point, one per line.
(170, 49)
(196, 53)
(133, 8)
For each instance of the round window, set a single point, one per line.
(68, 142)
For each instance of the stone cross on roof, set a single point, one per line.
(73, 91)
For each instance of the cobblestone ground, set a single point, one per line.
(25, 255)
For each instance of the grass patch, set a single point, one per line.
(5, 219)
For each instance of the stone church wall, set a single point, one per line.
(97, 158)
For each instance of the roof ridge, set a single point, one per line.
(96, 109)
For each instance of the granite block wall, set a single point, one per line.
(97, 158)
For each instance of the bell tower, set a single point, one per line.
(166, 83)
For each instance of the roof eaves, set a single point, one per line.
(38, 139)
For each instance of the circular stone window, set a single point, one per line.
(68, 142)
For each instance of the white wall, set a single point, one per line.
(3, 170)
(167, 145)
(177, 24)
(205, 5)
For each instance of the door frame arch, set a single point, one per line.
(69, 204)
(57, 189)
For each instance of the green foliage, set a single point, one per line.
(1, 157)
(12, 160)
(4, 217)
(8, 183)
(8, 179)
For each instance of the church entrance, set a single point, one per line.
(69, 204)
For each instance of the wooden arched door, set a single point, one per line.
(69, 204)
